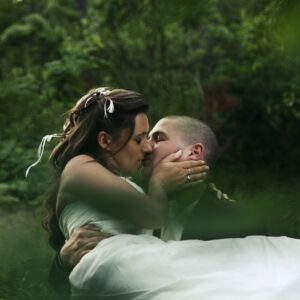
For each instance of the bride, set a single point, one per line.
(102, 147)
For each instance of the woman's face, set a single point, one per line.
(129, 159)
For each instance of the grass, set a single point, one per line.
(25, 255)
(275, 193)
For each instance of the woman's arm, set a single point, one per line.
(84, 178)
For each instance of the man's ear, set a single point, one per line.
(104, 140)
(196, 152)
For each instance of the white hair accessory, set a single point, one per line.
(46, 139)
(110, 108)
(104, 92)
(86, 104)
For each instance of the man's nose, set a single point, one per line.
(147, 148)
(151, 141)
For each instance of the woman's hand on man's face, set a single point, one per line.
(82, 241)
(176, 175)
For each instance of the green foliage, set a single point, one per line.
(226, 62)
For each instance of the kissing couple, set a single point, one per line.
(208, 245)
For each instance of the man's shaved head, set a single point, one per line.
(170, 134)
(194, 131)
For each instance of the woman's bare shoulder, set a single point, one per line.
(78, 161)
(78, 172)
(81, 165)
(85, 172)
(85, 169)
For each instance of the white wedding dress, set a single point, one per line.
(133, 264)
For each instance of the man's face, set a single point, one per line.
(165, 139)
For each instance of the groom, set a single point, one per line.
(202, 212)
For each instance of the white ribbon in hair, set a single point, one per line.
(46, 139)
(110, 108)
(87, 102)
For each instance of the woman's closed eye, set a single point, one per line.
(138, 140)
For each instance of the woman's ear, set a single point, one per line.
(104, 140)
(196, 152)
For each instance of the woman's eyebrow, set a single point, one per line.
(141, 134)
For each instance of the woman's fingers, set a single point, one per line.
(194, 183)
(194, 174)
(175, 175)
(197, 170)
(185, 176)
(195, 177)
(190, 163)
(172, 157)
(198, 178)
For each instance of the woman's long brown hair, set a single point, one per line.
(82, 125)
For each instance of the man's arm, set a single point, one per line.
(59, 278)
(80, 243)
(218, 217)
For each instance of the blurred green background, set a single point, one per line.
(232, 63)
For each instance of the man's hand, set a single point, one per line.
(82, 241)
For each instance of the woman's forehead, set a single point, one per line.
(141, 124)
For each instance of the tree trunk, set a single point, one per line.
(82, 5)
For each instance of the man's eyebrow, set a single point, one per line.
(155, 133)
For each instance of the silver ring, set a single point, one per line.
(189, 172)
(188, 178)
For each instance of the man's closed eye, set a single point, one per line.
(159, 137)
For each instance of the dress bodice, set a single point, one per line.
(78, 214)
